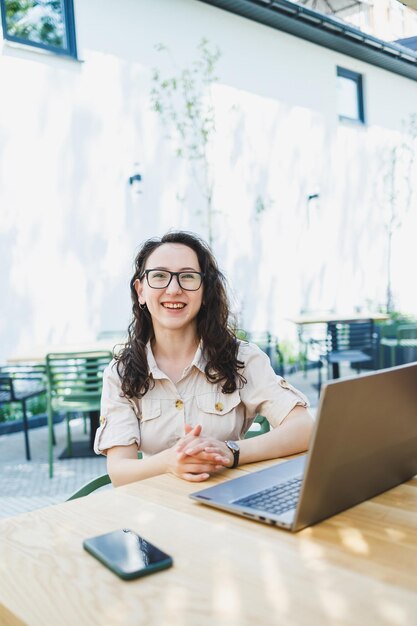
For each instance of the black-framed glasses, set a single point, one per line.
(160, 279)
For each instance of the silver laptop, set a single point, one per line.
(364, 442)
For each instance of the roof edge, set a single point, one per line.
(325, 31)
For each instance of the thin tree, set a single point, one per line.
(398, 192)
(184, 103)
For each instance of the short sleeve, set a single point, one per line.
(118, 418)
(265, 393)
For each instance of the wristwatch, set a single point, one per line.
(234, 448)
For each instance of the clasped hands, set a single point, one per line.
(196, 457)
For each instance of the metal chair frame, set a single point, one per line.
(259, 426)
(18, 384)
(74, 382)
(91, 486)
(354, 342)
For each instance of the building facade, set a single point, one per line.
(313, 188)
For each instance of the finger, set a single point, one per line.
(183, 444)
(200, 446)
(217, 453)
(190, 435)
(207, 461)
(194, 448)
(223, 460)
(212, 461)
(198, 468)
(195, 478)
(205, 457)
(193, 430)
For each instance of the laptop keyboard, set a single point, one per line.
(276, 499)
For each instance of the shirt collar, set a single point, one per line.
(199, 361)
(153, 367)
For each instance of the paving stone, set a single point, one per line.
(25, 485)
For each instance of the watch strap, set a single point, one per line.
(235, 450)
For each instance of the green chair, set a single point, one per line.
(400, 340)
(94, 484)
(259, 427)
(407, 343)
(91, 486)
(20, 383)
(74, 382)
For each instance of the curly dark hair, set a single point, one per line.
(214, 327)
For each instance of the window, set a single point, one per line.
(350, 95)
(46, 24)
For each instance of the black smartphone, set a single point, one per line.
(127, 554)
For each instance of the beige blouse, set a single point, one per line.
(156, 421)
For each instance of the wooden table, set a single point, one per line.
(326, 318)
(357, 568)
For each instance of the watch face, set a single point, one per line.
(232, 445)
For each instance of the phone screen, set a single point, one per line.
(127, 554)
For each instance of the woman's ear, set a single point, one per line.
(139, 291)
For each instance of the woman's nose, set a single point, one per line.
(174, 286)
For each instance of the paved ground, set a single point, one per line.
(25, 485)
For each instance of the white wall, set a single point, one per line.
(71, 131)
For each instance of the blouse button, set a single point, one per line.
(102, 420)
(284, 384)
(179, 404)
(219, 406)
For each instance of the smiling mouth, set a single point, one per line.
(173, 305)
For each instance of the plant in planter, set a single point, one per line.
(396, 319)
(10, 413)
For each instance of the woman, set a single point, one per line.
(184, 390)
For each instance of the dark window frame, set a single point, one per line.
(69, 23)
(357, 78)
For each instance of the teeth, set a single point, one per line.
(173, 305)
